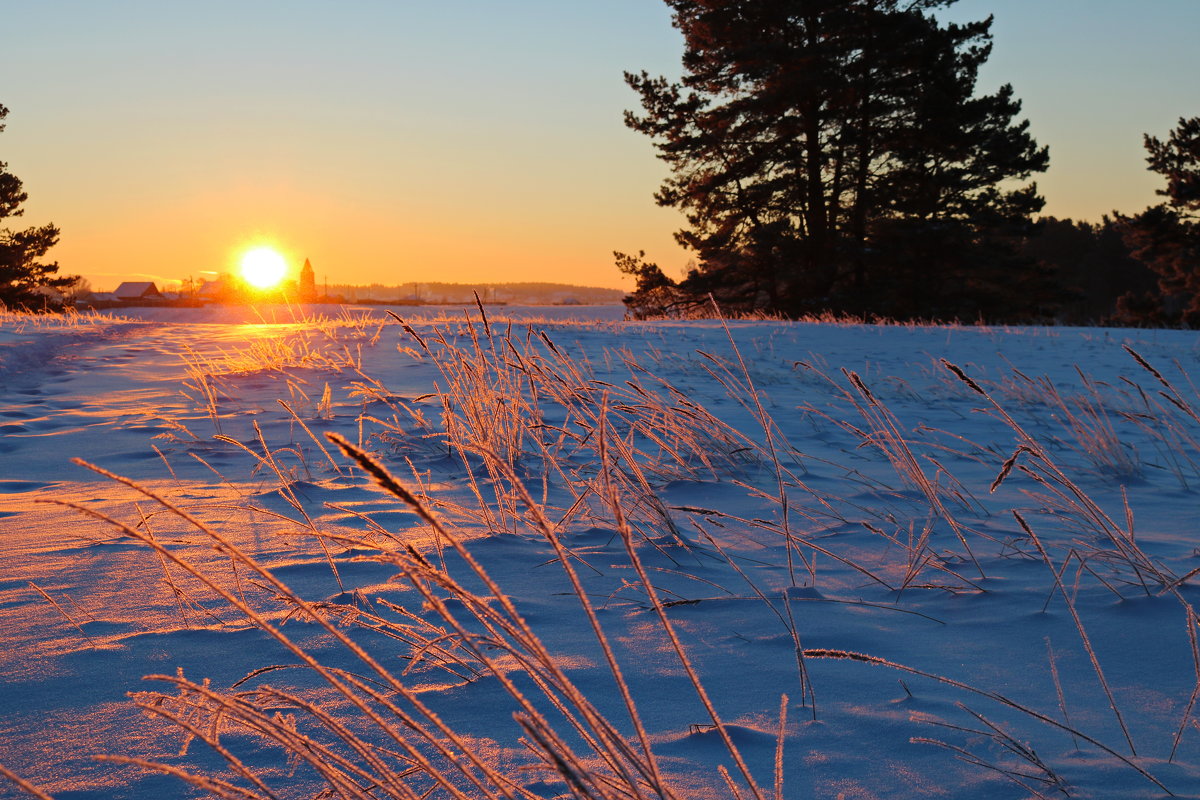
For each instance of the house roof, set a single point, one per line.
(133, 289)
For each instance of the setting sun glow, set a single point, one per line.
(263, 267)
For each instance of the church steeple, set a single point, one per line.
(308, 283)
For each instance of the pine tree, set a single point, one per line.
(809, 139)
(1166, 237)
(654, 295)
(21, 274)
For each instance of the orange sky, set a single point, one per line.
(464, 141)
(487, 231)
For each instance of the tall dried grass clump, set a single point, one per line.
(516, 404)
(67, 319)
(355, 727)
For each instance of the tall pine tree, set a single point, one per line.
(832, 154)
(21, 273)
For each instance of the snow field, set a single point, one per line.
(493, 558)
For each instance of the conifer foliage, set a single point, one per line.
(21, 274)
(834, 155)
(1166, 237)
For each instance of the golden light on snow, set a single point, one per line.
(263, 267)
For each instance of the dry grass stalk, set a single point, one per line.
(1192, 623)
(783, 703)
(845, 655)
(61, 611)
(313, 436)
(1068, 598)
(22, 784)
(1058, 690)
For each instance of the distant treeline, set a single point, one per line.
(530, 293)
(1075, 273)
(1090, 272)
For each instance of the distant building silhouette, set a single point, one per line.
(138, 290)
(308, 283)
(214, 291)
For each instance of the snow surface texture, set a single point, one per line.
(823, 563)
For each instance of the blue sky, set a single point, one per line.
(1094, 76)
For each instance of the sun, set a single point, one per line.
(263, 267)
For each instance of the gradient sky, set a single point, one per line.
(462, 140)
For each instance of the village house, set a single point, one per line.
(138, 290)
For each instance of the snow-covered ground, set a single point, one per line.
(820, 562)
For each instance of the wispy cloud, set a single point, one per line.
(135, 276)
